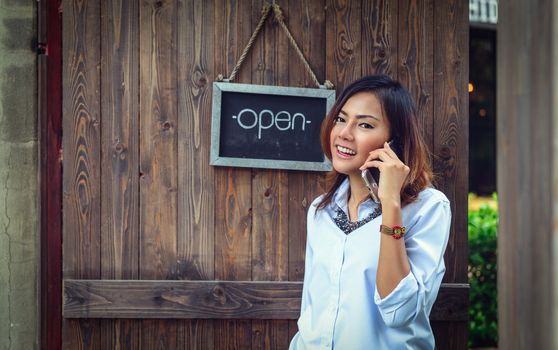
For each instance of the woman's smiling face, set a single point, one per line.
(360, 128)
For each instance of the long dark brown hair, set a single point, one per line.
(399, 108)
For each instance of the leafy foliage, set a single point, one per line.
(482, 272)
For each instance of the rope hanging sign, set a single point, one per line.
(262, 126)
(281, 19)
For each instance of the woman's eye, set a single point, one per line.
(366, 125)
(338, 119)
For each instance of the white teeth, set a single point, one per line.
(346, 150)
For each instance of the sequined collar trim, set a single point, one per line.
(343, 222)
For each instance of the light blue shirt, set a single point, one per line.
(341, 308)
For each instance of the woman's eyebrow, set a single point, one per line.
(360, 116)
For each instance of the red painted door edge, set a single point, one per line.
(51, 180)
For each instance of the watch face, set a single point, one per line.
(397, 231)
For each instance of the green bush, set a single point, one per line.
(483, 309)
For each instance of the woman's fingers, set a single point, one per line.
(379, 154)
(390, 151)
(372, 164)
(386, 156)
(387, 151)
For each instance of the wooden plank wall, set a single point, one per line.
(140, 200)
(527, 97)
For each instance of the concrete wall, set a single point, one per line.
(19, 234)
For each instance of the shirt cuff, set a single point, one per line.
(401, 295)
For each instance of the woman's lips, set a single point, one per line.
(344, 155)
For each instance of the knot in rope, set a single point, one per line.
(328, 84)
(265, 10)
(278, 13)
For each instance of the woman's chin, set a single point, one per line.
(346, 170)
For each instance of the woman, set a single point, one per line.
(364, 286)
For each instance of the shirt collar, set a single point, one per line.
(341, 197)
(341, 200)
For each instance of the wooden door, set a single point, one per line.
(161, 250)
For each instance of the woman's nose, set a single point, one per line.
(346, 133)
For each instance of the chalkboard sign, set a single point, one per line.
(273, 127)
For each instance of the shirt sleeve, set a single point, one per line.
(425, 243)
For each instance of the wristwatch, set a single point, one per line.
(396, 231)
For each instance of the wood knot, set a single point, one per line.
(118, 147)
(217, 291)
(445, 152)
(158, 4)
(166, 125)
(219, 294)
(382, 53)
(267, 192)
(158, 300)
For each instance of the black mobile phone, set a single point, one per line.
(371, 176)
(398, 151)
